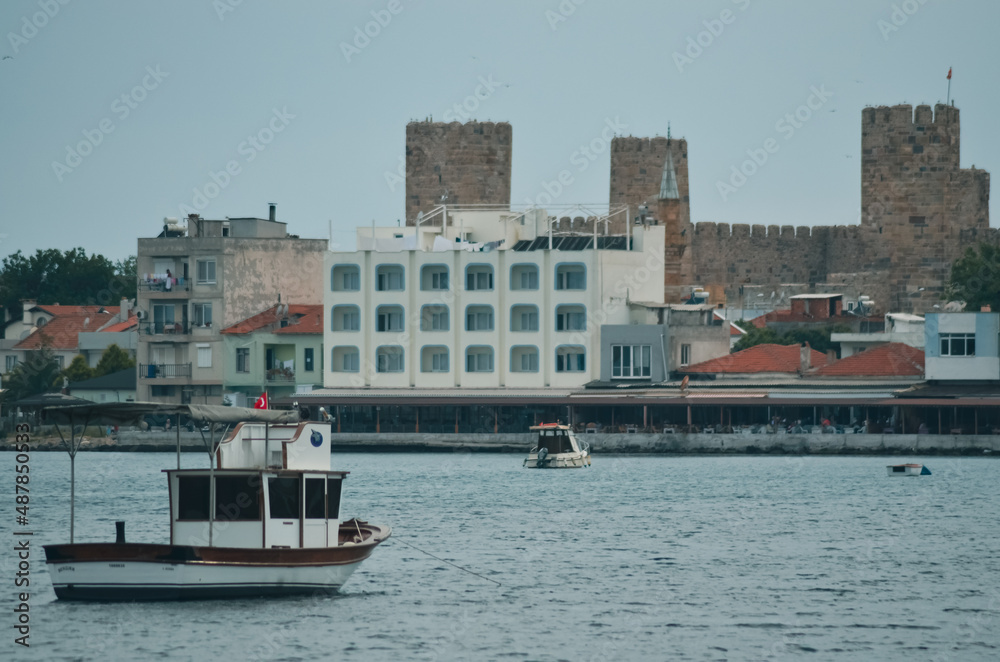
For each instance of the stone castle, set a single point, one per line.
(919, 209)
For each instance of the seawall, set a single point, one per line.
(659, 444)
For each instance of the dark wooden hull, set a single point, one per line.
(139, 571)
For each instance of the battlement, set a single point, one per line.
(785, 232)
(902, 116)
(501, 130)
(657, 144)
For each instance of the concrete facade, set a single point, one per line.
(949, 354)
(422, 310)
(223, 271)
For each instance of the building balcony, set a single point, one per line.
(281, 375)
(164, 370)
(164, 328)
(159, 287)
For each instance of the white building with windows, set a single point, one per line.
(962, 346)
(482, 299)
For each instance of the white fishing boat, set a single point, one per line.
(907, 470)
(263, 519)
(557, 448)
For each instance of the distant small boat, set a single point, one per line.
(557, 448)
(908, 470)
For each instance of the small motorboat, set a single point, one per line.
(263, 519)
(557, 448)
(908, 470)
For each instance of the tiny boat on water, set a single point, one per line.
(908, 470)
(263, 519)
(557, 448)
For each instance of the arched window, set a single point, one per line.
(479, 318)
(479, 358)
(571, 358)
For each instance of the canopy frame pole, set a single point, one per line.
(178, 440)
(72, 448)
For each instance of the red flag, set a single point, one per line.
(261, 402)
(949, 73)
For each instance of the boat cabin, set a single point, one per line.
(555, 438)
(270, 486)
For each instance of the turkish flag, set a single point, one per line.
(261, 402)
(949, 73)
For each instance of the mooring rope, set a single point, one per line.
(448, 562)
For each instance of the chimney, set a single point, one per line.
(986, 308)
(26, 306)
(272, 207)
(805, 358)
(831, 356)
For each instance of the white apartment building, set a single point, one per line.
(482, 299)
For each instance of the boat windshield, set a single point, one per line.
(555, 441)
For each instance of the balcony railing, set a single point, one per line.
(164, 370)
(165, 328)
(281, 375)
(182, 285)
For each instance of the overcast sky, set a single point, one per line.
(310, 112)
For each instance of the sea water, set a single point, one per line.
(635, 558)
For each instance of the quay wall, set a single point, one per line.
(660, 444)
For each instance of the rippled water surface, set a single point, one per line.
(680, 558)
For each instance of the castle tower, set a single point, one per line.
(654, 172)
(918, 206)
(456, 164)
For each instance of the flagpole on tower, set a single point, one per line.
(948, 102)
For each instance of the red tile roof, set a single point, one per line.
(57, 310)
(122, 326)
(891, 360)
(63, 330)
(302, 318)
(759, 358)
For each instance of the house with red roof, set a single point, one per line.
(278, 350)
(69, 331)
(757, 362)
(893, 360)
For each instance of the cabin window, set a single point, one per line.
(333, 497)
(283, 497)
(315, 499)
(192, 498)
(237, 498)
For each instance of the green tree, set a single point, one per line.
(817, 337)
(38, 373)
(112, 360)
(78, 370)
(72, 277)
(755, 336)
(975, 278)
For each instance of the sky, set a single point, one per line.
(118, 114)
